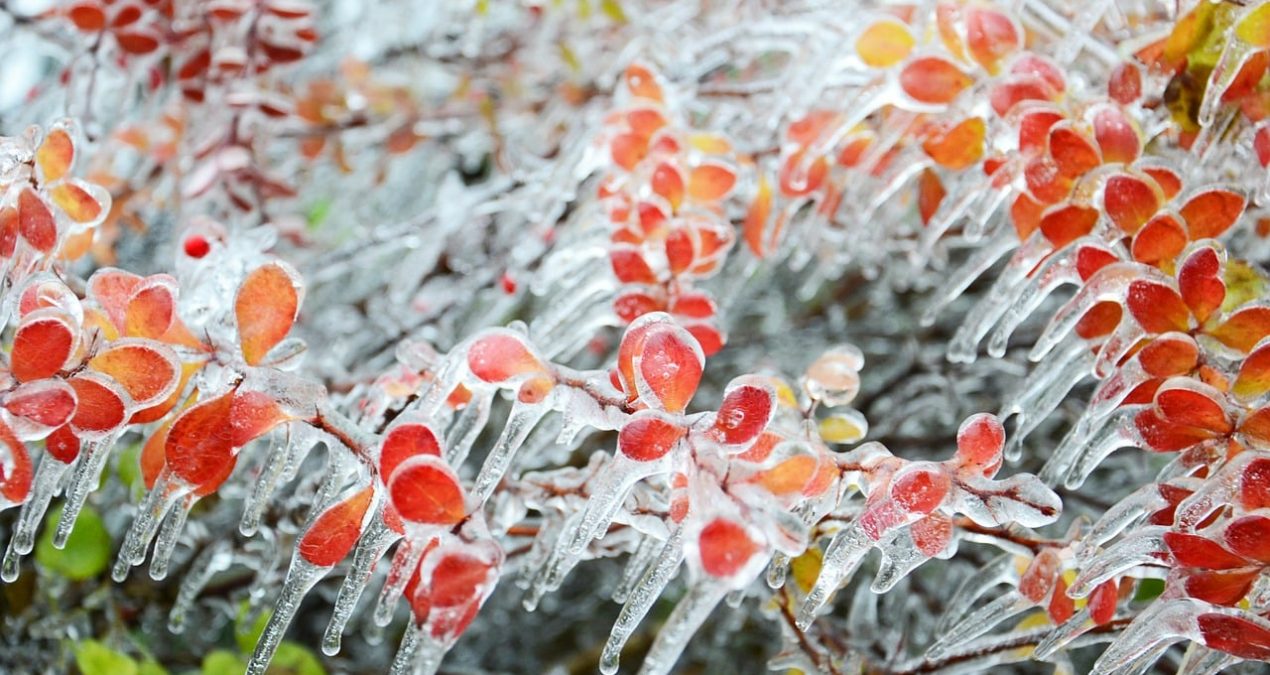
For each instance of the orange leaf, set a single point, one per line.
(710, 182)
(1254, 375)
(77, 202)
(931, 193)
(1212, 212)
(55, 154)
(1245, 328)
(1064, 224)
(669, 366)
(1169, 354)
(755, 226)
(151, 309)
(934, 80)
(266, 307)
(959, 146)
(884, 43)
(15, 482)
(1073, 152)
(1160, 240)
(112, 288)
(148, 371)
(502, 355)
(1116, 135)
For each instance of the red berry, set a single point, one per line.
(196, 246)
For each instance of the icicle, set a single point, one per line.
(1234, 55)
(418, 654)
(520, 422)
(1053, 273)
(301, 577)
(271, 470)
(555, 565)
(684, 621)
(900, 556)
(981, 621)
(1200, 660)
(1118, 432)
(1064, 633)
(1002, 296)
(999, 570)
(1111, 283)
(607, 497)
(847, 548)
(1045, 389)
(217, 557)
(979, 262)
(641, 599)
(168, 535)
(1116, 346)
(1159, 625)
(87, 474)
(1127, 511)
(777, 570)
(404, 562)
(166, 491)
(465, 429)
(370, 548)
(48, 476)
(1139, 547)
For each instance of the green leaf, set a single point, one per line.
(1148, 589)
(318, 212)
(87, 552)
(248, 635)
(223, 662)
(613, 10)
(151, 667)
(95, 658)
(128, 466)
(294, 659)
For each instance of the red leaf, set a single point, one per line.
(1235, 635)
(35, 221)
(200, 445)
(647, 437)
(502, 355)
(746, 410)
(1199, 279)
(336, 531)
(41, 346)
(725, 547)
(404, 441)
(1158, 308)
(425, 490)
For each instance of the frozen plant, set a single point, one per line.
(832, 337)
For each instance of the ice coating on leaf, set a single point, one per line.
(265, 307)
